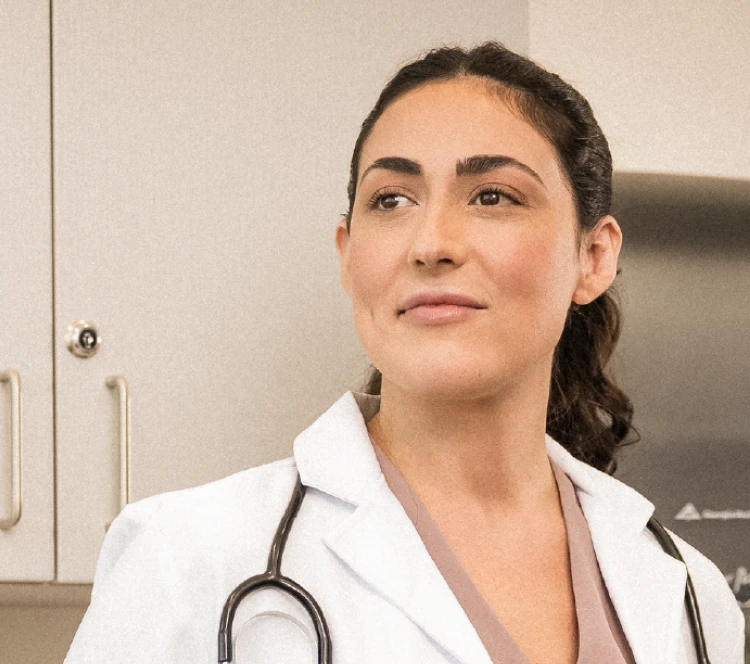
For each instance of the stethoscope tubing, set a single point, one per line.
(691, 601)
(273, 577)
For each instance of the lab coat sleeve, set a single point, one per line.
(134, 608)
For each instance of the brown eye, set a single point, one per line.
(390, 201)
(387, 198)
(489, 197)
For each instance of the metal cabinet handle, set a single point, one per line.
(121, 385)
(15, 426)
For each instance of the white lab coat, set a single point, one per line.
(169, 561)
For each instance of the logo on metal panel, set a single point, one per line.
(688, 513)
(691, 513)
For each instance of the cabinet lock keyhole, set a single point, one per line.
(82, 339)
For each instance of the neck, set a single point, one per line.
(487, 453)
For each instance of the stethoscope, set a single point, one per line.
(273, 577)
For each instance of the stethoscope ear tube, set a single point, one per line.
(691, 602)
(273, 577)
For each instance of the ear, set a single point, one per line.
(599, 252)
(342, 247)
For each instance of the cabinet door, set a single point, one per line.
(201, 162)
(27, 540)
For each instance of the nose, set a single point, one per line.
(439, 238)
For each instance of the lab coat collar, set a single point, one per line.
(335, 455)
(379, 543)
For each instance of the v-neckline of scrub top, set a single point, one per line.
(597, 622)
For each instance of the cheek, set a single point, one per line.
(535, 277)
(372, 270)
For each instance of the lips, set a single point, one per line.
(436, 298)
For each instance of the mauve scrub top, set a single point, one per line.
(600, 636)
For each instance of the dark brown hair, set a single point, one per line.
(587, 413)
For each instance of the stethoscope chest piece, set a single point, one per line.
(272, 636)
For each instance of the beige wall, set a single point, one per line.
(669, 81)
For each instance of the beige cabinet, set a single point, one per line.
(199, 168)
(26, 352)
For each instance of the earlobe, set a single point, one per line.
(599, 255)
(342, 244)
(341, 237)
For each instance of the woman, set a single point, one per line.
(463, 510)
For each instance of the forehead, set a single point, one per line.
(441, 122)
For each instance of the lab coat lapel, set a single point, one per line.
(377, 541)
(646, 585)
(380, 544)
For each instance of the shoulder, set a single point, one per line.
(168, 562)
(717, 604)
(224, 495)
(207, 516)
(614, 509)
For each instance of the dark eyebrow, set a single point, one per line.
(476, 165)
(483, 163)
(395, 164)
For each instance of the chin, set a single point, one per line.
(444, 383)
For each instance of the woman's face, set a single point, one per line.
(502, 233)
